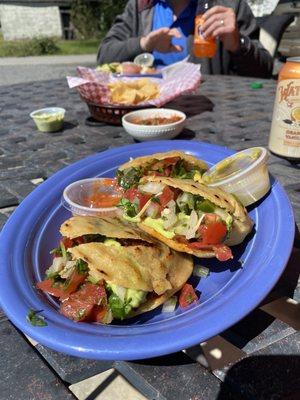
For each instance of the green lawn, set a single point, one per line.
(36, 47)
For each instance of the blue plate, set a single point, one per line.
(230, 292)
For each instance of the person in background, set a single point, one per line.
(165, 28)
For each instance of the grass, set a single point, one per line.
(47, 46)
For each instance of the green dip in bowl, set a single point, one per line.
(49, 119)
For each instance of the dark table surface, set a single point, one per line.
(259, 355)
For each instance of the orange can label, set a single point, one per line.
(285, 130)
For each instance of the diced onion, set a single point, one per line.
(151, 210)
(120, 292)
(193, 222)
(68, 270)
(172, 206)
(152, 187)
(57, 265)
(170, 305)
(170, 218)
(200, 271)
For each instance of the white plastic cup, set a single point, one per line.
(250, 183)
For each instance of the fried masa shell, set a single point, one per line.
(139, 267)
(152, 267)
(112, 227)
(242, 223)
(146, 160)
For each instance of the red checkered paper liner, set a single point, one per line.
(178, 79)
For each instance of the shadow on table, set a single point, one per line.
(191, 104)
(259, 320)
(264, 377)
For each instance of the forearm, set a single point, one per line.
(113, 50)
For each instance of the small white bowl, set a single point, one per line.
(153, 132)
(244, 174)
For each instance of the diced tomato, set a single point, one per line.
(143, 200)
(49, 286)
(222, 252)
(171, 160)
(155, 173)
(213, 233)
(76, 279)
(166, 196)
(181, 239)
(67, 242)
(78, 240)
(162, 164)
(210, 218)
(80, 305)
(168, 171)
(131, 194)
(187, 295)
(134, 195)
(98, 313)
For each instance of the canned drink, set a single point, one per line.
(285, 130)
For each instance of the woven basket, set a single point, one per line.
(110, 114)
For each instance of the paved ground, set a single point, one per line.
(27, 69)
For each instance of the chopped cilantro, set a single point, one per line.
(81, 266)
(129, 208)
(155, 199)
(129, 177)
(34, 319)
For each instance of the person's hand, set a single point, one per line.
(161, 40)
(221, 22)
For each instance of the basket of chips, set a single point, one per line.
(110, 97)
(111, 114)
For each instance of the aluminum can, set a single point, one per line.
(284, 137)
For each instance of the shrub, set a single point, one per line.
(92, 18)
(31, 47)
(41, 46)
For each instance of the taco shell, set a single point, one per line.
(149, 265)
(145, 160)
(242, 223)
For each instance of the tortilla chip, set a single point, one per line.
(145, 160)
(133, 92)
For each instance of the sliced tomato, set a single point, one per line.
(76, 279)
(80, 305)
(187, 295)
(49, 286)
(213, 233)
